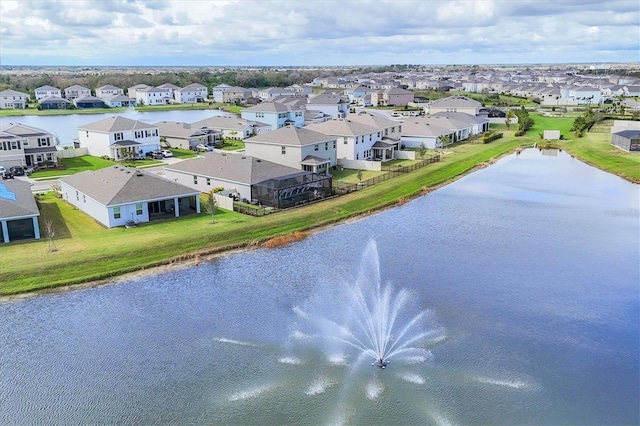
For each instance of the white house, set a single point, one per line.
(108, 91)
(231, 126)
(191, 94)
(116, 101)
(119, 196)
(181, 135)
(335, 106)
(12, 99)
(22, 145)
(18, 211)
(153, 96)
(272, 92)
(132, 91)
(76, 91)
(119, 138)
(299, 148)
(47, 92)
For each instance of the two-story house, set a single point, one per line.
(176, 134)
(76, 91)
(12, 99)
(295, 147)
(455, 104)
(361, 138)
(119, 138)
(191, 94)
(153, 96)
(132, 91)
(333, 105)
(47, 92)
(391, 97)
(108, 91)
(231, 126)
(276, 115)
(22, 145)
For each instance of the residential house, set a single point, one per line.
(476, 124)
(356, 140)
(252, 179)
(118, 101)
(421, 131)
(121, 196)
(180, 135)
(333, 105)
(216, 92)
(54, 102)
(191, 94)
(360, 95)
(18, 211)
(391, 97)
(76, 91)
(47, 92)
(119, 138)
(301, 90)
(22, 145)
(455, 103)
(108, 91)
(230, 94)
(231, 126)
(170, 87)
(276, 115)
(272, 92)
(626, 140)
(153, 96)
(12, 99)
(133, 90)
(85, 102)
(299, 148)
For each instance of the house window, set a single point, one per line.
(326, 146)
(84, 198)
(284, 150)
(116, 212)
(315, 147)
(118, 136)
(344, 140)
(25, 142)
(334, 144)
(195, 180)
(77, 196)
(209, 181)
(399, 128)
(138, 134)
(138, 209)
(259, 114)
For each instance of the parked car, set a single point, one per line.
(17, 171)
(3, 170)
(156, 155)
(166, 153)
(203, 147)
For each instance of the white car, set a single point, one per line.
(166, 153)
(203, 147)
(2, 170)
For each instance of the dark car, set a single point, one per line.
(17, 171)
(156, 155)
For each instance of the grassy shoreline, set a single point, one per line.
(86, 252)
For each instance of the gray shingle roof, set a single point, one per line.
(222, 122)
(455, 102)
(116, 185)
(291, 135)
(342, 127)
(233, 168)
(16, 199)
(116, 124)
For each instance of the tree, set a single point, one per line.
(50, 232)
(211, 205)
(422, 150)
(359, 175)
(507, 120)
(445, 140)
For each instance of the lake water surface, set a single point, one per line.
(529, 269)
(65, 127)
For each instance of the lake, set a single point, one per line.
(520, 282)
(65, 127)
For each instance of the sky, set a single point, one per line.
(317, 32)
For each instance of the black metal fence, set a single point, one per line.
(341, 188)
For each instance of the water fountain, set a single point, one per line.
(366, 319)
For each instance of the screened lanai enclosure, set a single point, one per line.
(290, 190)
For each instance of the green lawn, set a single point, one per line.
(74, 165)
(183, 153)
(142, 108)
(233, 145)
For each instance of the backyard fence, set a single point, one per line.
(341, 188)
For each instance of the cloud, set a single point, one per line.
(282, 32)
